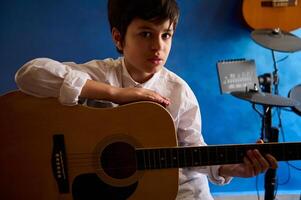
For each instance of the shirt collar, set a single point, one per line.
(128, 81)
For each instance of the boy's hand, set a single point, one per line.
(98, 90)
(254, 164)
(127, 95)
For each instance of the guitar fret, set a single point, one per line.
(235, 157)
(270, 148)
(149, 159)
(178, 158)
(290, 153)
(204, 155)
(185, 157)
(166, 161)
(163, 158)
(154, 158)
(171, 158)
(276, 151)
(160, 158)
(196, 160)
(239, 154)
(235, 153)
(298, 152)
(144, 160)
(294, 152)
(162, 153)
(199, 155)
(283, 151)
(229, 155)
(188, 158)
(216, 154)
(220, 155)
(226, 154)
(181, 157)
(208, 156)
(212, 155)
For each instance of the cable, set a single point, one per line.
(257, 190)
(282, 59)
(293, 166)
(283, 136)
(288, 176)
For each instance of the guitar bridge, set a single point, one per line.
(59, 164)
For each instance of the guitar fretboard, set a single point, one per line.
(180, 157)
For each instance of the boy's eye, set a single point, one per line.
(166, 36)
(145, 34)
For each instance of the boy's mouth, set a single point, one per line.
(155, 60)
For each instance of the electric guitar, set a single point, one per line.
(49, 151)
(271, 14)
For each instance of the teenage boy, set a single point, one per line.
(142, 31)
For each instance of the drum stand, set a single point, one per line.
(268, 134)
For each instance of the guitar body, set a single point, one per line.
(28, 147)
(258, 16)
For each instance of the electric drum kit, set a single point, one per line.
(275, 40)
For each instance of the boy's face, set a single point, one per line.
(146, 47)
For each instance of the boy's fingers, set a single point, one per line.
(272, 161)
(262, 161)
(260, 141)
(255, 163)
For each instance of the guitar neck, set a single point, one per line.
(180, 157)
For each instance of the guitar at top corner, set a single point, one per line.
(271, 14)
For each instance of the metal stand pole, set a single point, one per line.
(268, 134)
(270, 176)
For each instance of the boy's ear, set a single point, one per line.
(117, 38)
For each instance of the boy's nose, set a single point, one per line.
(157, 44)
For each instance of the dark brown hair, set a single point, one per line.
(122, 12)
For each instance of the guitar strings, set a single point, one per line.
(96, 167)
(82, 160)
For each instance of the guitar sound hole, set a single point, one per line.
(118, 160)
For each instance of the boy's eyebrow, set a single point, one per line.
(150, 28)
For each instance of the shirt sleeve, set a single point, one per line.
(189, 134)
(43, 77)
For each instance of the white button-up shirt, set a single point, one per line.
(44, 77)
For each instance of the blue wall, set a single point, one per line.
(208, 31)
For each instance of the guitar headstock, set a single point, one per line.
(279, 3)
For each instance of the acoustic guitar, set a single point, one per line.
(50, 151)
(271, 14)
